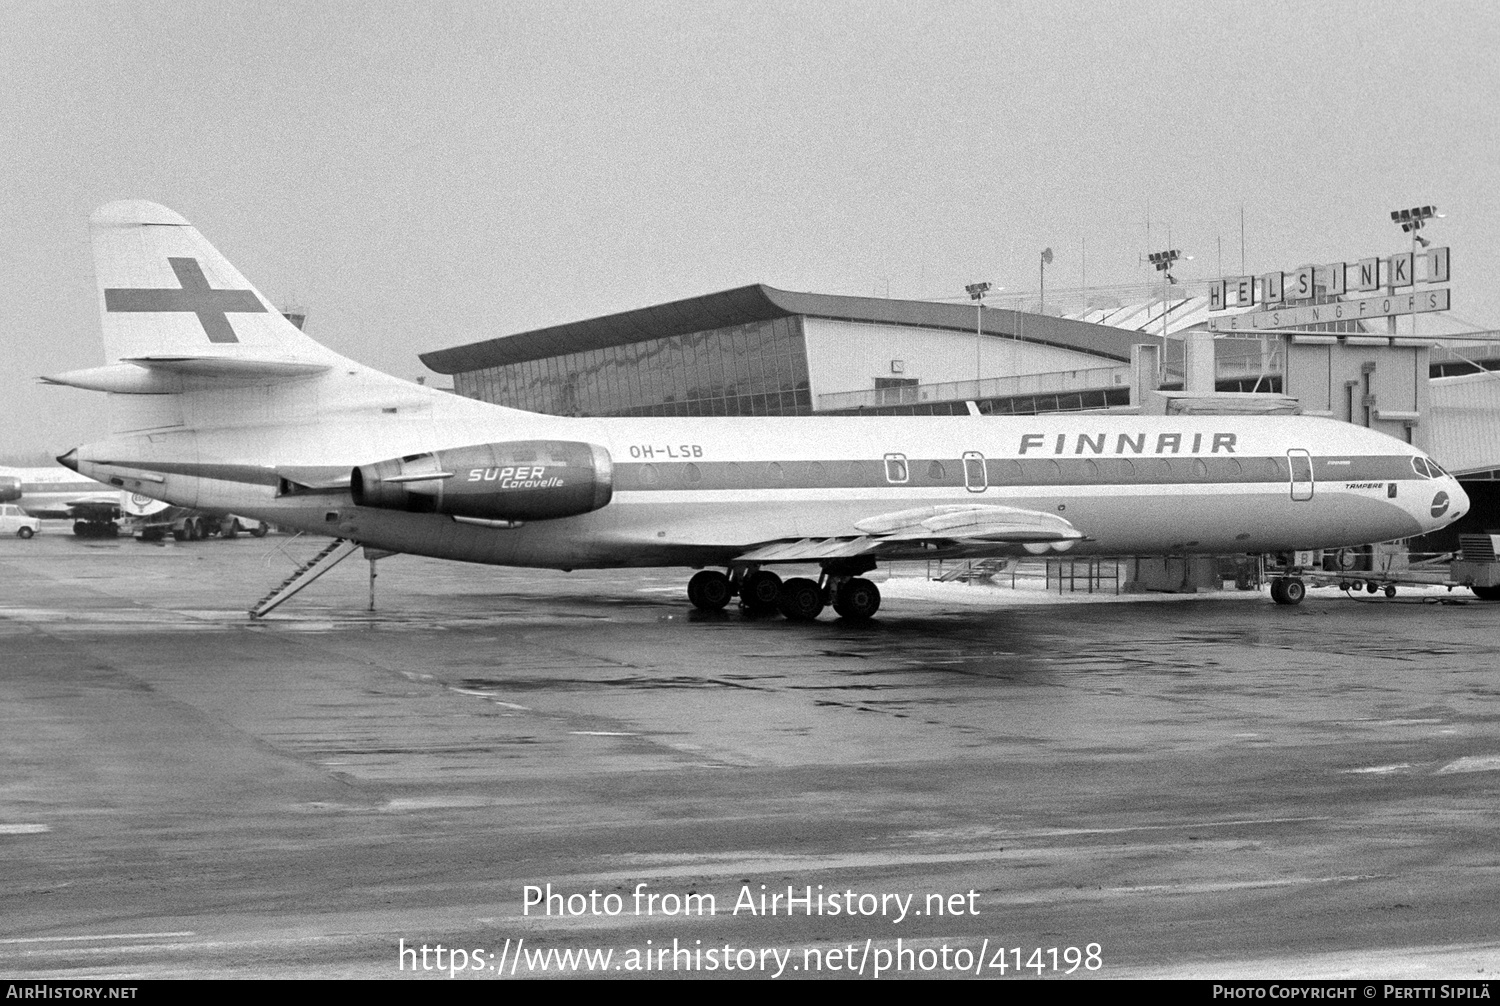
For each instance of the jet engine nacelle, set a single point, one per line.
(518, 480)
(10, 489)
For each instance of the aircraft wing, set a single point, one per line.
(96, 506)
(930, 532)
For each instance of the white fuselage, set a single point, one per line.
(699, 491)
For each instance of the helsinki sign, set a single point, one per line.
(1278, 292)
(1289, 316)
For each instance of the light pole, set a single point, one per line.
(976, 292)
(1163, 262)
(1411, 221)
(1046, 261)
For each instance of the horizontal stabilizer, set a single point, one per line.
(170, 375)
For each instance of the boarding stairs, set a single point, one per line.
(982, 569)
(305, 573)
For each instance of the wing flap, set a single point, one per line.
(972, 522)
(808, 550)
(932, 532)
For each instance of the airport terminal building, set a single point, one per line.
(759, 351)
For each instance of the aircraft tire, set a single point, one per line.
(1390, 590)
(800, 599)
(230, 530)
(1292, 590)
(81, 528)
(759, 591)
(24, 533)
(259, 531)
(182, 533)
(857, 600)
(1370, 586)
(709, 590)
(1486, 593)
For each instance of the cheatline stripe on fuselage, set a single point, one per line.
(62, 488)
(1000, 473)
(926, 473)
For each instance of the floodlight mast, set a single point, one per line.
(1162, 261)
(1411, 221)
(976, 292)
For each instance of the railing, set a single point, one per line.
(1089, 379)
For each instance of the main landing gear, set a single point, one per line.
(709, 590)
(1288, 590)
(799, 599)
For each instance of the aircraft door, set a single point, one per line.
(976, 479)
(1300, 464)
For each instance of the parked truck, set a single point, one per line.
(152, 520)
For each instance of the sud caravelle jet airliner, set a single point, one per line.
(220, 403)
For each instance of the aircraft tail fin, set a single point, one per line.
(165, 292)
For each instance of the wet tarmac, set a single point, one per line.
(1207, 787)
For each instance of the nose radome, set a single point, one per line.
(1458, 500)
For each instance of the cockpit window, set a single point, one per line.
(1420, 465)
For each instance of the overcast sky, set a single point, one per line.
(420, 176)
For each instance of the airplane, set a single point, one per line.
(220, 403)
(59, 494)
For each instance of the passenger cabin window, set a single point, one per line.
(895, 468)
(976, 475)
